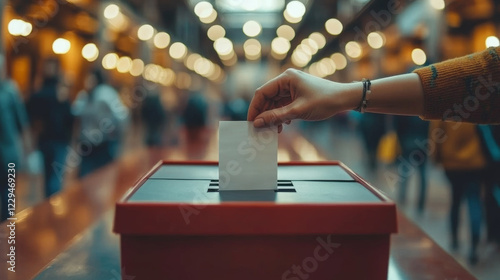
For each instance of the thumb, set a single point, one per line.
(274, 117)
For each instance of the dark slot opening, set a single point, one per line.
(283, 186)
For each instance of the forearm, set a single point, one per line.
(400, 95)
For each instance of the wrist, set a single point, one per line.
(350, 96)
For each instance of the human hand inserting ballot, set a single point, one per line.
(298, 95)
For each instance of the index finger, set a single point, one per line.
(265, 94)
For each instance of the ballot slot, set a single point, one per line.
(283, 186)
(287, 191)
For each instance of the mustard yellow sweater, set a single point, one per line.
(463, 89)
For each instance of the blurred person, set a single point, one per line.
(411, 131)
(372, 127)
(463, 162)
(14, 126)
(154, 118)
(49, 110)
(490, 140)
(237, 108)
(103, 121)
(195, 115)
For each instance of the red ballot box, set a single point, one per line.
(322, 222)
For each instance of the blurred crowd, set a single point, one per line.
(51, 134)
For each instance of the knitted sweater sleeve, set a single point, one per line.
(463, 89)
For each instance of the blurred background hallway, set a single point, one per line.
(88, 84)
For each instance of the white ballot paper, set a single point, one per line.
(248, 156)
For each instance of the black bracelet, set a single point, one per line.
(364, 100)
(366, 95)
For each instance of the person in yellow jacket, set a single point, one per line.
(461, 156)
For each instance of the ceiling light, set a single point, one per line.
(223, 46)
(18, 27)
(296, 9)
(280, 45)
(252, 28)
(145, 32)
(215, 32)
(61, 46)
(111, 11)
(190, 60)
(286, 31)
(252, 47)
(178, 50)
(305, 49)
(27, 29)
(492, 41)
(313, 70)
(151, 72)
(15, 27)
(211, 18)
(311, 44)
(90, 52)
(137, 67)
(339, 60)
(291, 19)
(327, 66)
(240, 6)
(319, 39)
(376, 39)
(300, 59)
(418, 56)
(109, 61)
(333, 26)
(168, 77)
(437, 4)
(161, 40)
(353, 49)
(124, 64)
(203, 9)
(202, 66)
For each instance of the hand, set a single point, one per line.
(298, 95)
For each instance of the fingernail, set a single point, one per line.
(258, 122)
